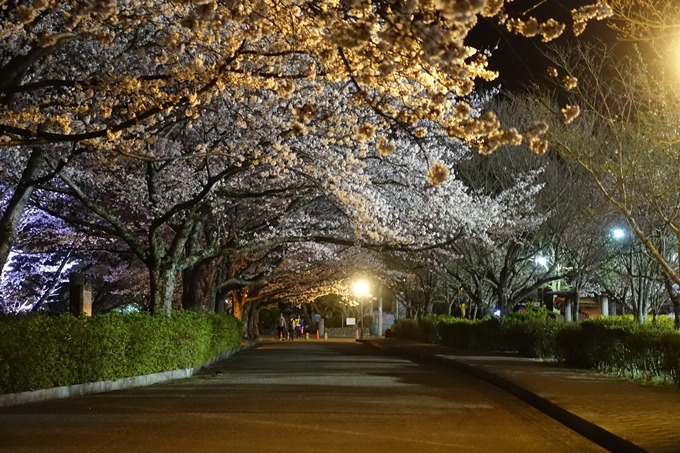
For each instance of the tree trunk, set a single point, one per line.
(237, 303)
(192, 290)
(577, 304)
(322, 327)
(221, 301)
(250, 317)
(162, 282)
(256, 319)
(676, 311)
(310, 319)
(503, 303)
(246, 319)
(17, 203)
(198, 292)
(669, 283)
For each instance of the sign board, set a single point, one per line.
(351, 321)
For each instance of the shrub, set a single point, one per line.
(615, 344)
(428, 329)
(406, 329)
(484, 334)
(621, 346)
(42, 351)
(531, 333)
(267, 319)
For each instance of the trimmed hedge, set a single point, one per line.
(41, 351)
(623, 347)
(617, 345)
(529, 333)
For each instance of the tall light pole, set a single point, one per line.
(361, 290)
(620, 235)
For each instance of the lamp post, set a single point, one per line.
(542, 261)
(619, 235)
(361, 290)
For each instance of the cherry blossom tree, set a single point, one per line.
(106, 76)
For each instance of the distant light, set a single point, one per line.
(542, 260)
(361, 288)
(497, 312)
(619, 233)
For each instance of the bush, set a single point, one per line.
(484, 334)
(428, 329)
(534, 337)
(267, 319)
(621, 346)
(406, 329)
(615, 344)
(41, 351)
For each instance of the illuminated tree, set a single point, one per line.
(625, 138)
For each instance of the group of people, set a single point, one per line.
(290, 328)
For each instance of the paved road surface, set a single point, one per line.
(299, 397)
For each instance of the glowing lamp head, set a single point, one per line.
(618, 233)
(541, 260)
(361, 288)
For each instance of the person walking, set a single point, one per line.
(291, 328)
(281, 324)
(299, 326)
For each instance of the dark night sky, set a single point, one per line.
(519, 59)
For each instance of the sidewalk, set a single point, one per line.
(621, 416)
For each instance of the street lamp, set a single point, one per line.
(541, 260)
(619, 235)
(361, 290)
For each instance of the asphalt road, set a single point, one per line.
(298, 397)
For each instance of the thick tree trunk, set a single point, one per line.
(198, 290)
(503, 303)
(17, 203)
(192, 289)
(162, 287)
(221, 301)
(245, 318)
(310, 319)
(237, 302)
(250, 318)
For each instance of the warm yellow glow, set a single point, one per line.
(675, 57)
(361, 288)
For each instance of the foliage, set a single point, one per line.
(40, 351)
(451, 331)
(624, 347)
(267, 319)
(616, 344)
(406, 329)
(462, 333)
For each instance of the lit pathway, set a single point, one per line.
(299, 397)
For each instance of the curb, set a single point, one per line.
(589, 430)
(76, 390)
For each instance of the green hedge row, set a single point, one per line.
(40, 351)
(616, 345)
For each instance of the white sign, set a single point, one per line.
(351, 321)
